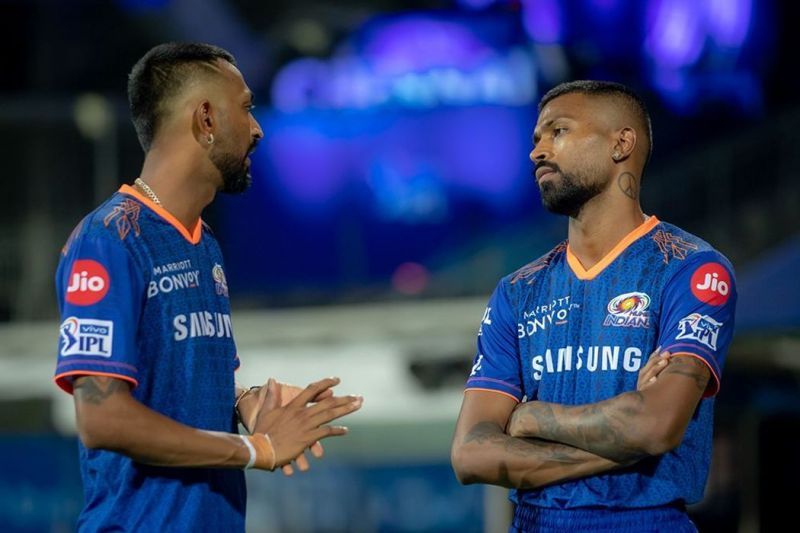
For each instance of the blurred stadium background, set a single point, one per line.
(391, 192)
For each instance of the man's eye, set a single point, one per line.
(558, 131)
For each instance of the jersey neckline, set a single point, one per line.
(193, 237)
(583, 274)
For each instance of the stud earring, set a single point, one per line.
(616, 156)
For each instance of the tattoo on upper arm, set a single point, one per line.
(691, 368)
(96, 389)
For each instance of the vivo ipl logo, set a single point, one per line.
(701, 328)
(629, 310)
(86, 336)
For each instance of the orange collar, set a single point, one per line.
(193, 237)
(584, 274)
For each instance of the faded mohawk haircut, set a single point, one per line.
(161, 74)
(626, 96)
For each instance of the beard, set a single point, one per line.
(235, 171)
(570, 194)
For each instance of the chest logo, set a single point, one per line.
(629, 310)
(541, 317)
(176, 276)
(219, 280)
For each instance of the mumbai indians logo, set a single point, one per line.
(219, 280)
(629, 310)
(701, 328)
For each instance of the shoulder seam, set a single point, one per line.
(537, 265)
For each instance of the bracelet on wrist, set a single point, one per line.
(241, 397)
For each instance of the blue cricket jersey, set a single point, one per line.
(144, 300)
(556, 332)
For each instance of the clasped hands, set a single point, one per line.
(295, 419)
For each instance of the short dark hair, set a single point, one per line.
(627, 96)
(160, 75)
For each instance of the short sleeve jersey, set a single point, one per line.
(558, 333)
(146, 301)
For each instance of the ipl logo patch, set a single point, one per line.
(629, 310)
(701, 328)
(86, 336)
(219, 279)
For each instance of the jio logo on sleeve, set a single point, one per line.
(88, 282)
(711, 284)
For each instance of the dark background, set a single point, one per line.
(395, 169)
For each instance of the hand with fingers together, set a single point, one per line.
(254, 400)
(648, 374)
(294, 419)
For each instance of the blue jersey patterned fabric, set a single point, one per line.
(146, 301)
(558, 333)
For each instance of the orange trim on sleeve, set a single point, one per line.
(193, 237)
(66, 385)
(716, 382)
(584, 274)
(492, 390)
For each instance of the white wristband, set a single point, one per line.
(252, 451)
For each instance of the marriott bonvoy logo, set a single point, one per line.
(555, 313)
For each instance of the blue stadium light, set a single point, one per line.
(413, 62)
(676, 33)
(543, 20)
(729, 21)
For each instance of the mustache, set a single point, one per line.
(548, 164)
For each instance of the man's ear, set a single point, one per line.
(625, 144)
(204, 123)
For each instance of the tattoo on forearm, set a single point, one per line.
(691, 368)
(490, 433)
(627, 184)
(96, 389)
(564, 460)
(605, 431)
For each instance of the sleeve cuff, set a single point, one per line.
(69, 368)
(495, 385)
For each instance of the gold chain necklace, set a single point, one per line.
(147, 190)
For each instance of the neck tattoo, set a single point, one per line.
(147, 190)
(627, 184)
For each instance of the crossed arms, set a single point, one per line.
(534, 444)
